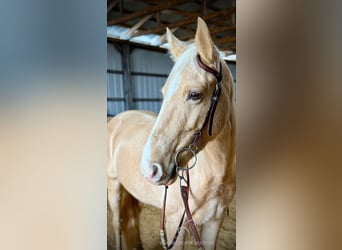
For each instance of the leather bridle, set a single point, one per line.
(183, 172)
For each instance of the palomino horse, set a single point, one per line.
(194, 129)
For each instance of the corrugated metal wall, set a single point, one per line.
(148, 71)
(115, 90)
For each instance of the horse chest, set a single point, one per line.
(209, 207)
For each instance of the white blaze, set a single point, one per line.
(173, 84)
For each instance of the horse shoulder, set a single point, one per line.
(127, 133)
(129, 128)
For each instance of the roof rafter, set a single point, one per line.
(228, 39)
(146, 11)
(112, 5)
(189, 20)
(136, 26)
(144, 17)
(213, 31)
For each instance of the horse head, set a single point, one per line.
(187, 100)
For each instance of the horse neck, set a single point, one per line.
(216, 160)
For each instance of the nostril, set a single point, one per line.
(154, 170)
(157, 171)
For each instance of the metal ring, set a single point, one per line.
(184, 150)
(193, 147)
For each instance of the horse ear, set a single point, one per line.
(176, 46)
(204, 43)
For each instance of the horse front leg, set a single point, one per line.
(129, 213)
(114, 204)
(209, 233)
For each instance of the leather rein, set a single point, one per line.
(183, 172)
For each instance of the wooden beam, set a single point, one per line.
(210, 3)
(136, 26)
(146, 11)
(228, 39)
(153, 18)
(222, 29)
(204, 7)
(228, 48)
(212, 32)
(179, 12)
(121, 7)
(224, 46)
(112, 5)
(192, 19)
(150, 1)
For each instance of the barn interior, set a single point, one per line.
(136, 30)
(145, 21)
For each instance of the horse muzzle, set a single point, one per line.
(155, 173)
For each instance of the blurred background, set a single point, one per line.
(53, 80)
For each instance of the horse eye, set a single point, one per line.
(193, 95)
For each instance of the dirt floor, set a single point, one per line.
(149, 226)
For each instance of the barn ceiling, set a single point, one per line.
(140, 18)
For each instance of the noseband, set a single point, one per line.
(183, 172)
